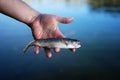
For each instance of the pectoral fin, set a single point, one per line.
(64, 42)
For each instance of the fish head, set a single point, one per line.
(74, 43)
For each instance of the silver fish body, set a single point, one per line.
(54, 43)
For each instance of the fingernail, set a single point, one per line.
(36, 51)
(49, 56)
(57, 50)
(73, 50)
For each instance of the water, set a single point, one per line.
(96, 25)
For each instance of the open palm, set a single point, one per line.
(46, 26)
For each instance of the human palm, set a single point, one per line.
(46, 26)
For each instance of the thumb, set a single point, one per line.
(64, 20)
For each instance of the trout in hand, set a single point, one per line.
(54, 43)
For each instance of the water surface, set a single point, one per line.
(96, 25)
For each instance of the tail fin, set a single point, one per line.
(27, 46)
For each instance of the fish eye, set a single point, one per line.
(78, 43)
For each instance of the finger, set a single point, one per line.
(36, 49)
(73, 49)
(57, 50)
(64, 20)
(47, 52)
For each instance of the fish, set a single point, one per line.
(54, 43)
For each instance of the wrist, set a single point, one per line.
(30, 19)
(35, 21)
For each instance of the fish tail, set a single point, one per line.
(27, 46)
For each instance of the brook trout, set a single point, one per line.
(54, 43)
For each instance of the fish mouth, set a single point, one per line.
(78, 44)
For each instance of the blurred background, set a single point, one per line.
(96, 24)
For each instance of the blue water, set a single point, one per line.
(97, 29)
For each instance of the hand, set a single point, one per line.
(46, 26)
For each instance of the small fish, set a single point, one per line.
(54, 43)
